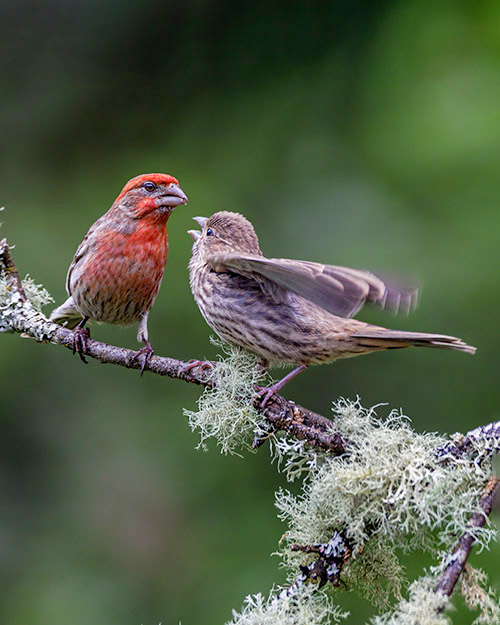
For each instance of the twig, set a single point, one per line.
(463, 549)
(488, 437)
(330, 561)
(9, 269)
(282, 415)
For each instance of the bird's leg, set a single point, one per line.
(142, 336)
(267, 392)
(80, 338)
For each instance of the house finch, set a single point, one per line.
(117, 269)
(291, 311)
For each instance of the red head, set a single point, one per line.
(155, 194)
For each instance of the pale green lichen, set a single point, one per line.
(376, 573)
(390, 485)
(225, 411)
(37, 294)
(423, 607)
(390, 491)
(297, 606)
(295, 458)
(12, 308)
(393, 489)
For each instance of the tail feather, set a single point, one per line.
(66, 314)
(396, 338)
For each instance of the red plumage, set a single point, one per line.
(117, 269)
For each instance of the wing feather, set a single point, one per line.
(339, 290)
(83, 248)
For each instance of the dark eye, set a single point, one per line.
(209, 232)
(149, 186)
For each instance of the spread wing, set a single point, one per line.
(339, 290)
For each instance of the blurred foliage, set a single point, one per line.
(358, 133)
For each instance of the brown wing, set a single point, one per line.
(339, 290)
(82, 250)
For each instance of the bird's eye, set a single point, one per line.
(209, 232)
(149, 186)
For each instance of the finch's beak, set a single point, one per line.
(196, 234)
(174, 196)
(201, 221)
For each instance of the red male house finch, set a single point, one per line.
(291, 311)
(118, 267)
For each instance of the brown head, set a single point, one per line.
(154, 195)
(224, 232)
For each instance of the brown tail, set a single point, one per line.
(396, 338)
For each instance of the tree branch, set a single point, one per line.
(18, 315)
(463, 549)
(330, 562)
(487, 437)
(282, 415)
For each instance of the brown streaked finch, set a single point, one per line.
(117, 269)
(292, 311)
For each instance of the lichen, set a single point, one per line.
(299, 605)
(423, 607)
(390, 485)
(394, 489)
(390, 491)
(376, 573)
(225, 411)
(18, 315)
(37, 294)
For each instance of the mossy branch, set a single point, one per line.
(370, 486)
(17, 313)
(458, 559)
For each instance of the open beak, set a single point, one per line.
(201, 221)
(174, 196)
(196, 234)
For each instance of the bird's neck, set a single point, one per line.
(150, 230)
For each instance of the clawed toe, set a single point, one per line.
(80, 345)
(147, 351)
(203, 364)
(266, 392)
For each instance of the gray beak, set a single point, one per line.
(201, 221)
(174, 196)
(196, 234)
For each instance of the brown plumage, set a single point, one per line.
(292, 311)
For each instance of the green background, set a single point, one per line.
(358, 133)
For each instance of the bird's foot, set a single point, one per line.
(80, 345)
(146, 352)
(266, 392)
(203, 364)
